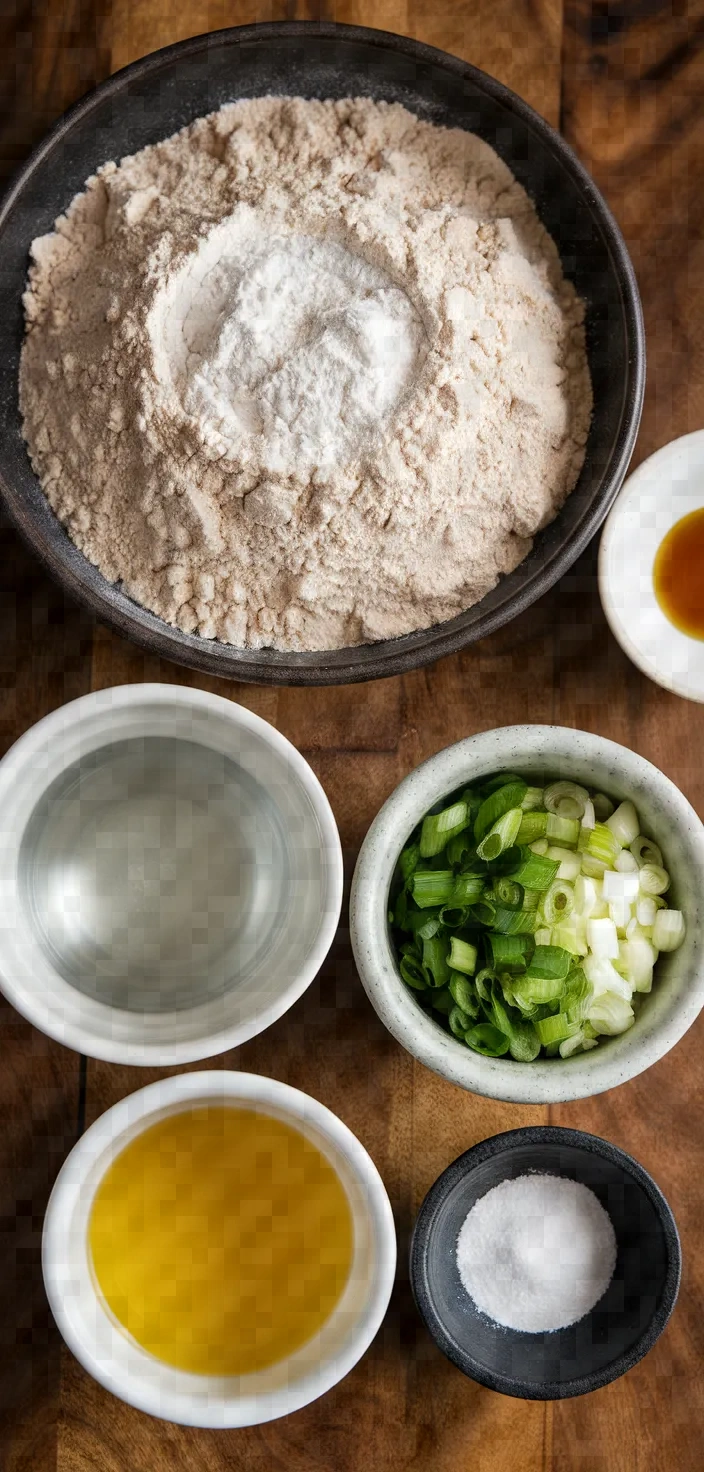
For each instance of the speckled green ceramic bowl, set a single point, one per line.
(539, 752)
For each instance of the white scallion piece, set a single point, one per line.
(571, 935)
(533, 800)
(593, 868)
(637, 958)
(669, 930)
(624, 823)
(618, 886)
(571, 1045)
(653, 879)
(602, 938)
(543, 937)
(611, 1014)
(586, 895)
(567, 793)
(589, 1043)
(620, 912)
(626, 863)
(645, 851)
(646, 910)
(589, 816)
(603, 806)
(570, 863)
(603, 977)
(539, 847)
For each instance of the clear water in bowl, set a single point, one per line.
(154, 872)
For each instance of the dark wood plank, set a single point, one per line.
(632, 88)
(50, 54)
(44, 661)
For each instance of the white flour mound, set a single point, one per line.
(305, 375)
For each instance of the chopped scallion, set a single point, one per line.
(533, 826)
(501, 835)
(668, 930)
(486, 1039)
(463, 956)
(438, 828)
(499, 802)
(432, 887)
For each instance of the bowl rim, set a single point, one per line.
(225, 1085)
(85, 583)
(661, 462)
(541, 1082)
(503, 1144)
(71, 717)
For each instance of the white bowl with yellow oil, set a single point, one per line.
(209, 1279)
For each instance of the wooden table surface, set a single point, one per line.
(624, 82)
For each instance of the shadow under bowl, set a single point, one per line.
(152, 99)
(622, 1326)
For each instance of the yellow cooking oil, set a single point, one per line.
(221, 1239)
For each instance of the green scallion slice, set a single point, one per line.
(463, 993)
(550, 962)
(501, 835)
(484, 912)
(499, 802)
(412, 973)
(534, 871)
(467, 889)
(431, 887)
(599, 843)
(555, 1029)
(533, 800)
(409, 860)
(461, 848)
(539, 988)
(557, 902)
(435, 961)
(459, 1022)
(564, 831)
(509, 952)
(442, 1000)
(516, 922)
(486, 1039)
(438, 828)
(533, 825)
(463, 956)
(507, 893)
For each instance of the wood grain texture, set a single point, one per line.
(44, 661)
(626, 81)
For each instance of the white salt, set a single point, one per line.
(537, 1252)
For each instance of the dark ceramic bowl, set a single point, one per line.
(152, 99)
(622, 1326)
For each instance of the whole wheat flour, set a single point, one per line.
(305, 375)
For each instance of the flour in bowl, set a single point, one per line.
(305, 375)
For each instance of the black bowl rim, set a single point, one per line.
(502, 1144)
(51, 543)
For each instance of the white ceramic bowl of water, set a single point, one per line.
(110, 1354)
(170, 874)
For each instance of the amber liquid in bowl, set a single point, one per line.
(221, 1240)
(678, 574)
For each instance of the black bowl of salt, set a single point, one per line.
(545, 1262)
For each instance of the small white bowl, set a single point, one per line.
(666, 487)
(540, 752)
(109, 1353)
(170, 875)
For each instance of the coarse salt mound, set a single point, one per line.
(537, 1252)
(305, 375)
